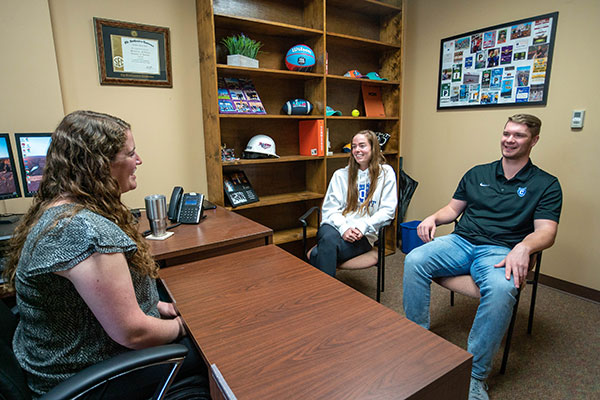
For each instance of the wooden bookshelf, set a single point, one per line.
(366, 35)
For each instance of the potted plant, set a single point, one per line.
(242, 50)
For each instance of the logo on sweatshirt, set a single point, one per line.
(521, 191)
(363, 191)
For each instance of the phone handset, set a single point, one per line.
(186, 208)
(174, 203)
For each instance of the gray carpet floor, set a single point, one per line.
(559, 360)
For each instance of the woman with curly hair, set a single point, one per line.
(84, 278)
(360, 198)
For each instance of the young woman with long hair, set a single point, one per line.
(360, 198)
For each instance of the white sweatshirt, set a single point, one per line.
(382, 208)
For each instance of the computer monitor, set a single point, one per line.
(9, 183)
(32, 149)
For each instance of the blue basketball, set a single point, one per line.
(300, 58)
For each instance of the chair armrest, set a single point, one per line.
(302, 220)
(381, 232)
(115, 366)
(304, 216)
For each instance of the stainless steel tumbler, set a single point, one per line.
(156, 211)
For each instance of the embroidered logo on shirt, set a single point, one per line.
(363, 190)
(521, 191)
(484, 184)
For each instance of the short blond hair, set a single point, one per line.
(533, 123)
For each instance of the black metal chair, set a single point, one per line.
(93, 380)
(373, 258)
(465, 285)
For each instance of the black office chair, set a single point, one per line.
(92, 381)
(465, 285)
(373, 258)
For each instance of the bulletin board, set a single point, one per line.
(502, 65)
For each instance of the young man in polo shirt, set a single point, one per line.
(510, 209)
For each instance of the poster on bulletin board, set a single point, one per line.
(507, 64)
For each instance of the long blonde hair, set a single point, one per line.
(375, 162)
(78, 169)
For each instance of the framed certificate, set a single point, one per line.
(133, 54)
(502, 65)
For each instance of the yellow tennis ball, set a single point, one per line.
(355, 113)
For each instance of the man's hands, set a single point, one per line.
(426, 229)
(516, 264)
(445, 215)
(517, 261)
(352, 235)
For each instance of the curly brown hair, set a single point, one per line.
(78, 170)
(377, 158)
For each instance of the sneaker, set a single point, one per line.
(478, 390)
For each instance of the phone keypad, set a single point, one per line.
(188, 214)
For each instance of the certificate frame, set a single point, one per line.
(502, 65)
(133, 54)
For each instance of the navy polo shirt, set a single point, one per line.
(500, 211)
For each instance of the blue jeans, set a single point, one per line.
(453, 255)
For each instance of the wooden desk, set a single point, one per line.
(277, 328)
(221, 232)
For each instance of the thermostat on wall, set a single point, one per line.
(577, 119)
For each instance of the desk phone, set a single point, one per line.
(186, 208)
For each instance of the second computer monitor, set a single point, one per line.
(9, 184)
(32, 149)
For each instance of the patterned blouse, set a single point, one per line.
(58, 335)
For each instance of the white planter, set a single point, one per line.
(239, 60)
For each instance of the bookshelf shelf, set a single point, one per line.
(228, 70)
(280, 199)
(358, 81)
(282, 159)
(345, 117)
(249, 25)
(269, 116)
(355, 42)
(291, 235)
(370, 7)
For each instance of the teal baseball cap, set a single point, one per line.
(330, 111)
(374, 76)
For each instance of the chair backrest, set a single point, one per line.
(13, 385)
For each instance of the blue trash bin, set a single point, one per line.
(410, 239)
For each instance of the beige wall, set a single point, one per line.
(166, 123)
(439, 146)
(30, 99)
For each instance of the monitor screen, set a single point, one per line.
(32, 149)
(9, 184)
